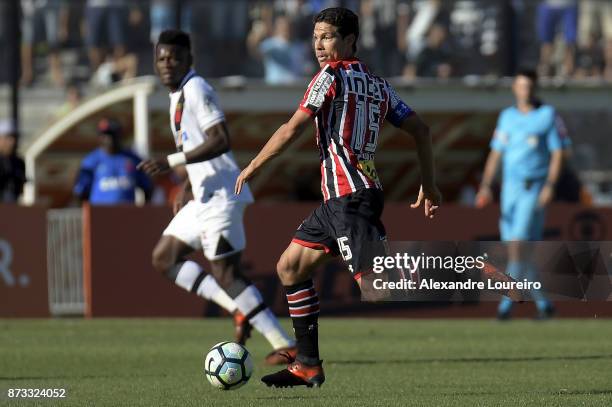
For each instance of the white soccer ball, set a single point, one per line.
(228, 365)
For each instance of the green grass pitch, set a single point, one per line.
(368, 362)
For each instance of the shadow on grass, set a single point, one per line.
(470, 360)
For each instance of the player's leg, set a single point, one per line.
(181, 238)
(535, 232)
(252, 306)
(223, 242)
(360, 236)
(509, 197)
(527, 226)
(295, 269)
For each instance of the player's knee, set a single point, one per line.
(286, 269)
(162, 262)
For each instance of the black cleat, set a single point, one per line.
(296, 374)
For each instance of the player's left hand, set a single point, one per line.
(431, 197)
(243, 178)
(546, 195)
(153, 167)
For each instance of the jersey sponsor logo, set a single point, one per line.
(114, 183)
(316, 97)
(365, 85)
(368, 168)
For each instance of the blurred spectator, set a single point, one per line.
(52, 15)
(108, 175)
(435, 60)
(163, 15)
(590, 62)
(595, 18)
(107, 23)
(223, 37)
(284, 59)
(378, 35)
(552, 15)
(74, 96)
(426, 13)
(12, 167)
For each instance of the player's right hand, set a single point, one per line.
(153, 167)
(431, 198)
(243, 178)
(484, 197)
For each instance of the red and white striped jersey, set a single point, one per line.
(350, 105)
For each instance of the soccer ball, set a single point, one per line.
(228, 365)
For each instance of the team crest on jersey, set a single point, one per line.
(316, 97)
(532, 140)
(184, 136)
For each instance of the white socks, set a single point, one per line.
(191, 273)
(192, 278)
(251, 304)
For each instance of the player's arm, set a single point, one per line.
(558, 144)
(217, 143)
(554, 170)
(84, 182)
(428, 193)
(280, 140)
(485, 195)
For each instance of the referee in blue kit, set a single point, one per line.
(529, 141)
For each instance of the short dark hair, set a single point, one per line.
(528, 73)
(344, 19)
(175, 37)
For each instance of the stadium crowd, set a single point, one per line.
(102, 41)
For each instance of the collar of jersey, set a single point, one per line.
(189, 75)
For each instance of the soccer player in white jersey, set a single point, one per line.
(212, 219)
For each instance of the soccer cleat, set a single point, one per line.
(496, 275)
(296, 374)
(281, 356)
(242, 327)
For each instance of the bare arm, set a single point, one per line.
(280, 140)
(554, 170)
(428, 193)
(484, 196)
(217, 143)
(414, 126)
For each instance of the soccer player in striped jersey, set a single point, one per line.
(348, 105)
(211, 219)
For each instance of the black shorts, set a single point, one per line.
(349, 226)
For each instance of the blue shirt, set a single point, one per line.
(110, 178)
(526, 141)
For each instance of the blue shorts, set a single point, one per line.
(548, 19)
(521, 216)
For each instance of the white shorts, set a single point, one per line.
(216, 229)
